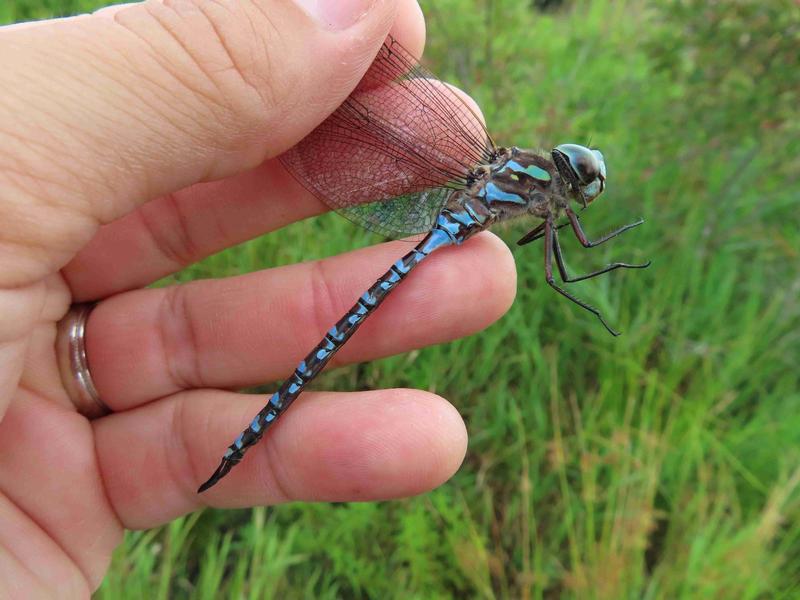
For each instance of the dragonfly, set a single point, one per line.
(405, 155)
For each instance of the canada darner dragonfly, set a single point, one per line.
(404, 155)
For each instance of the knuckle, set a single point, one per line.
(167, 224)
(178, 331)
(323, 300)
(278, 475)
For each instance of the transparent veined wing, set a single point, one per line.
(391, 154)
(400, 216)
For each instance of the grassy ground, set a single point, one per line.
(661, 464)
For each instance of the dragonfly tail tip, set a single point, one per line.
(222, 470)
(207, 485)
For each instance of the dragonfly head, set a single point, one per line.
(583, 168)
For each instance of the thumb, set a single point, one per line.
(103, 112)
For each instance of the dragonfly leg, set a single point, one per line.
(536, 233)
(550, 242)
(586, 242)
(562, 269)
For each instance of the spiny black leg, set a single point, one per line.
(532, 235)
(536, 233)
(548, 272)
(562, 269)
(585, 242)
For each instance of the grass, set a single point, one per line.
(661, 464)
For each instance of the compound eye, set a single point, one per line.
(587, 168)
(583, 169)
(585, 163)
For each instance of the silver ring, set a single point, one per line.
(73, 363)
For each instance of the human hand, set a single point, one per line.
(134, 142)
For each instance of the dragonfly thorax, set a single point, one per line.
(520, 183)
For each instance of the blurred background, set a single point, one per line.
(661, 464)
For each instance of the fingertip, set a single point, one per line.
(448, 440)
(431, 436)
(398, 443)
(409, 27)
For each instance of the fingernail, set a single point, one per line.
(336, 14)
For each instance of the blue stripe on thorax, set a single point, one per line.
(492, 193)
(533, 170)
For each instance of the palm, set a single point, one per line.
(49, 470)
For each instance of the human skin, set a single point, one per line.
(134, 142)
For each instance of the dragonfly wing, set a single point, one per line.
(400, 216)
(387, 157)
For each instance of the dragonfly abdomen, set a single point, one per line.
(452, 227)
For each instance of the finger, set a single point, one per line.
(328, 447)
(255, 328)
(102, 114)
(169, 233)
(176, 230)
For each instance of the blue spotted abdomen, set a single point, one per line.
(452, 227)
